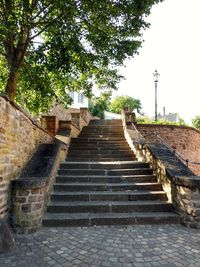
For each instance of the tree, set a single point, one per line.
(125, 101)
(196, 122)
(99, 104)
(80, 39)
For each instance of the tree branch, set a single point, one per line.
(45, 27)
(42, 10)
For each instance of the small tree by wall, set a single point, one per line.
(196, 122)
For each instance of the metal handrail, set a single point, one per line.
(187, 161)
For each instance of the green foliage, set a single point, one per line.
(3, 73)
(82, 41)
(196, 122)
(99, 104)
(125, 101)
(147, 120)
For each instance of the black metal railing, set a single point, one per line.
(158, 137)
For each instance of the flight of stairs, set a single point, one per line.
(102, 183)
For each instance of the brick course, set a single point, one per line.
(19, 138)
(185, 140)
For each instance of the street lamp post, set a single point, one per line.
(156, 76)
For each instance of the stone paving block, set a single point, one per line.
(53, 247)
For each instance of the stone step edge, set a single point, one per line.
(107, 184)
(108, 176)
(118, 215)
(109, 203)
(141, 192)
(106, 163)
(109, 170)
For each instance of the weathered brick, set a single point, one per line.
(186, 140)
(21, 199)
(40, 198)
(32, 199)
(23, 193)
(26, 208)
(37, 206)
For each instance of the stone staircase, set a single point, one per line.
(102, 183)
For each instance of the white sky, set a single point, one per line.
(172, 46)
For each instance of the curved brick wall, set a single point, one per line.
(19, 138)
(186, 140)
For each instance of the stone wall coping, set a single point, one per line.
(82, 117)
(39, 168)
(31, 182)
(13, 104)
(74, 125)
(176, 170)
(191, 181)
(168, 125)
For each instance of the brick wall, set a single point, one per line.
(186, 140)
(58, 120)
(61, 113)
(19, 138)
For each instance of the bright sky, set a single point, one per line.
(172, 46)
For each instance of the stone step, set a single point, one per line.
(109, 206)
(92, 130)
(101, 147)
(73, 187)
(105, 122)
(98, 144)
(73, 151)
(107, 130)
(112, 129)
(91, 219)
(118, 172)
(108, 196)
(103, 126)
(105, 179)
(104, 165)
(105, 159)
(99, 154)
(100, 135)
(108, 141)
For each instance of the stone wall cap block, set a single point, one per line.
(30, 182)
(174, 166)
(176, 171)
(41, 163)
(187, 181)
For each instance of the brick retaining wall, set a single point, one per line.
(186, 140)
(19, 138)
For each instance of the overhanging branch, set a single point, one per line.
(45, 27)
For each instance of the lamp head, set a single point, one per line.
(156, 76)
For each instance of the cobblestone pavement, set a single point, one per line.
(137, 246)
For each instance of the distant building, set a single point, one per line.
(111, 116)
(172, 117)
(79, 100)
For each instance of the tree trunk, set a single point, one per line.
(11, 85)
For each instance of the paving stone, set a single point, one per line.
(82, 246)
